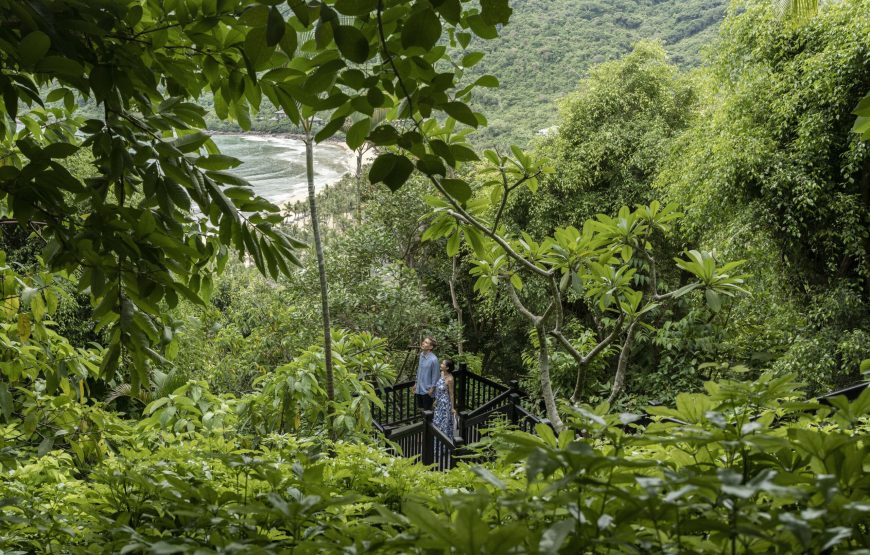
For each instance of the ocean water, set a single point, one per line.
(275, 166)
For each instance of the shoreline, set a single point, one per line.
(349, 160)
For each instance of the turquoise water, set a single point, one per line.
(275, 165)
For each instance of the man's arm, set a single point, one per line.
(433, 374)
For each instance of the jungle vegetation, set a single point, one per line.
(692, 242)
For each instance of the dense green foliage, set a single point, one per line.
(156, 219)
(771, 172)
(157, 396)
(254, 324)
(745, 456)
(615, 130)
(550, 46)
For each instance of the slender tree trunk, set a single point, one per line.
(865, 193)
(456, 306)
(358, 177)
(546, 382)
(543, 359)
(619, 379)
(580, 384)
(321, 270)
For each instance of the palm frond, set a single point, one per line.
(126, 390)
(162, 384)
(122, 390)
(796, 11)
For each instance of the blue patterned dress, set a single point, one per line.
(443, 417)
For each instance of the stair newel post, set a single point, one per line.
(461, 379)
(427, 450)
(514, 402)
(461, 417)
(459, 444)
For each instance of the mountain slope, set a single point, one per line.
(550, 44)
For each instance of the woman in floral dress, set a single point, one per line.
(445, 404)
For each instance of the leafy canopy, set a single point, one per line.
(162, 213)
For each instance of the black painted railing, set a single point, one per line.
(480, 403)
(472, 392)
(400, 406)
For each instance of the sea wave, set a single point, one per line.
(275, 165)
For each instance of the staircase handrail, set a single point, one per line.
(495, 402)
(487, 381)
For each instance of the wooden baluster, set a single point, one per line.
(388, 406)
(412, 405)
(514, 397)
(461, 379)
(403, 404)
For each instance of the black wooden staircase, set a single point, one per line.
(480, 403)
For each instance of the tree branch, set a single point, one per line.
(504, 198)
(520, 307)
(463, 216)
(653, 275)
(584, 360)
(619, 378)
(389, 57)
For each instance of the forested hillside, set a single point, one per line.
(655, 296)
(547, 49)
(551, 44)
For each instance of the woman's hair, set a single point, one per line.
(448, 365)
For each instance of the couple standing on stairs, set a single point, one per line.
(435, 385)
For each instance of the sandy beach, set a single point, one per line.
(274, 164)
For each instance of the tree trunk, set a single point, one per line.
(865, 193)
(619, 379)
(456, 306)
(321, 270)
(546, 383)
(543, 359)
(358, 177)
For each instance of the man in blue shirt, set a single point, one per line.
(427, 374)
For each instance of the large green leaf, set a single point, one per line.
(391, 169)
(33, 48)
(460, 112)
(274, 27)
(358, 132)
(352, 44)
(422, 28)
(495, 12)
